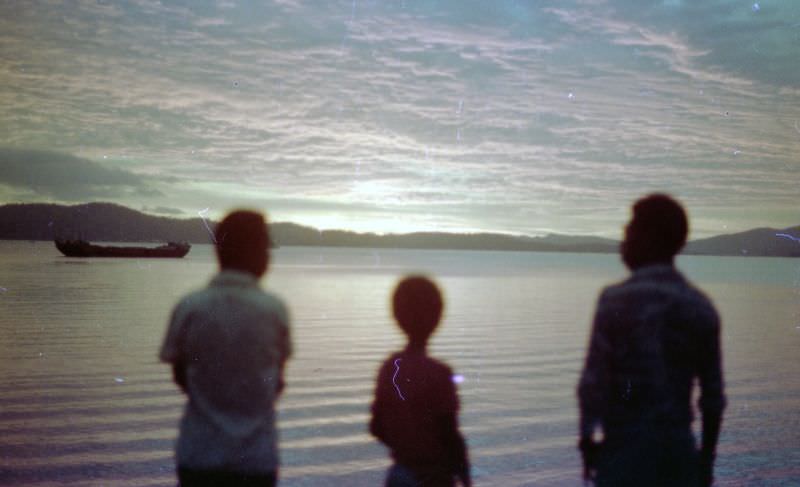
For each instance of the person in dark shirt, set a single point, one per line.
(415, 411)
(653, 335)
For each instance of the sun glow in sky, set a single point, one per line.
(452, 115)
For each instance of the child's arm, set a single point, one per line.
(375, 422)
(172, 350)
(179, 375)
(455, 447)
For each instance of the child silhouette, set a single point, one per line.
(415, 411)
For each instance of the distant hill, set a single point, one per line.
(763, 242)
(96, 222)
(434, 240)
(109, 222)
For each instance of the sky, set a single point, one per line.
(522, 117)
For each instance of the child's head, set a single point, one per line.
(417, 305)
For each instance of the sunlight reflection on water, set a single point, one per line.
(83, 398)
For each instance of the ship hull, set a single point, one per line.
(81, 248)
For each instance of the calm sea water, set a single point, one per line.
(84, 400)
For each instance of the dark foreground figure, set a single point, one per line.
(415, 412)
(228, 344)
(654, 334)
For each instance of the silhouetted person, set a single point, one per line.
(228, 344)
(415, 412)
(653, 335)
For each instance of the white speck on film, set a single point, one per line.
(203, 213)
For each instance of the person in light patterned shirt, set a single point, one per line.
(654, 335)
(228, 344)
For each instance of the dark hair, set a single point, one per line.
(242, 242)
(657, 231)
(417, 305)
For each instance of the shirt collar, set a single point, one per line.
(229, 277)
(656, 270)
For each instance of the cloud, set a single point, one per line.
(758, 44)
(505, 116)
(66, 177)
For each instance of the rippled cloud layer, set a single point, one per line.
(512, 116)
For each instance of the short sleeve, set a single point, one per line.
(448, 395)
(172, 348)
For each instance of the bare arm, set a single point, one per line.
(281, 385)
(374, 424)
(172, 350)
(285, 350)
(592, 390)
(179, 375)
(456, 448)
(594, 381)
(712, 400)
(375, 421)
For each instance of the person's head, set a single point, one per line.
(242, 242)
(417, 305)
(656, 233)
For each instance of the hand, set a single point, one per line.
(590, 451)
